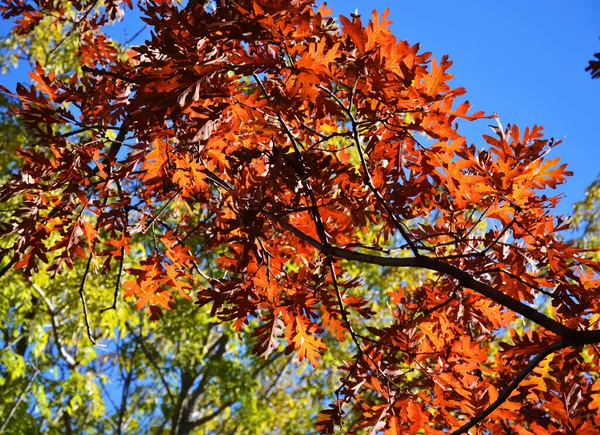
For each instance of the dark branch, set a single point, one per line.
(113, 306)
(8, 265)
(164, 207)
(100, 72)
(125, 392)
(83, 301)
(505, 394)
(572, 337)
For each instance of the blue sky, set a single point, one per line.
(524, 60)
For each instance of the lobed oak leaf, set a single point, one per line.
(329, 418)
(435, 82)
(355, 30)
(595, 403)
(415, 417)
(377, 31)
(178, 280)
(394, 426)
(155, 160)
(119, 245)
(306, 342)
(305, 86)
(244, 150)
(335, 326)
(44, 82)
(268, 334)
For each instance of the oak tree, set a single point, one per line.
(184, 374)
(295, 146)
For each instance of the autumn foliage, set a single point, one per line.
(294, 144)
(594, 66)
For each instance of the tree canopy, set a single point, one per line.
(303, 156)
(185, 374)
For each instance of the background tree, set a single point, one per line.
(289, 146)
(587, 211)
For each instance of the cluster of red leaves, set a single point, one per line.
(85, 20)
(278, 136)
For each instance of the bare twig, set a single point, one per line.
(113, 306)
(164, 207)
(72, 29)
(83, 301)
(52, 309)
(135, 35)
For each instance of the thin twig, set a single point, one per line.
(135, 35)
(100, 72)
(71, 30)
(113, 306)
(517, 278)
(18, 401)
(367, 175)
(348, 376)
(161, 211)
(343, 311)
(83, 301)
(442, 304)
(52, 310)
(159, 370)
(498, 237)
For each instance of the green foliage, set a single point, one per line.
(586, 216)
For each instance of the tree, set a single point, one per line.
(290, 147)
(185, 374)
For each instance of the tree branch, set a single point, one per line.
(217, 351)
(8, 265)
(572, 337)
(113, 306)
(150, 358)
(505, 394)
(18, 401)
(400, 226)
(125, 392)
(86, 317)
(66, 355)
